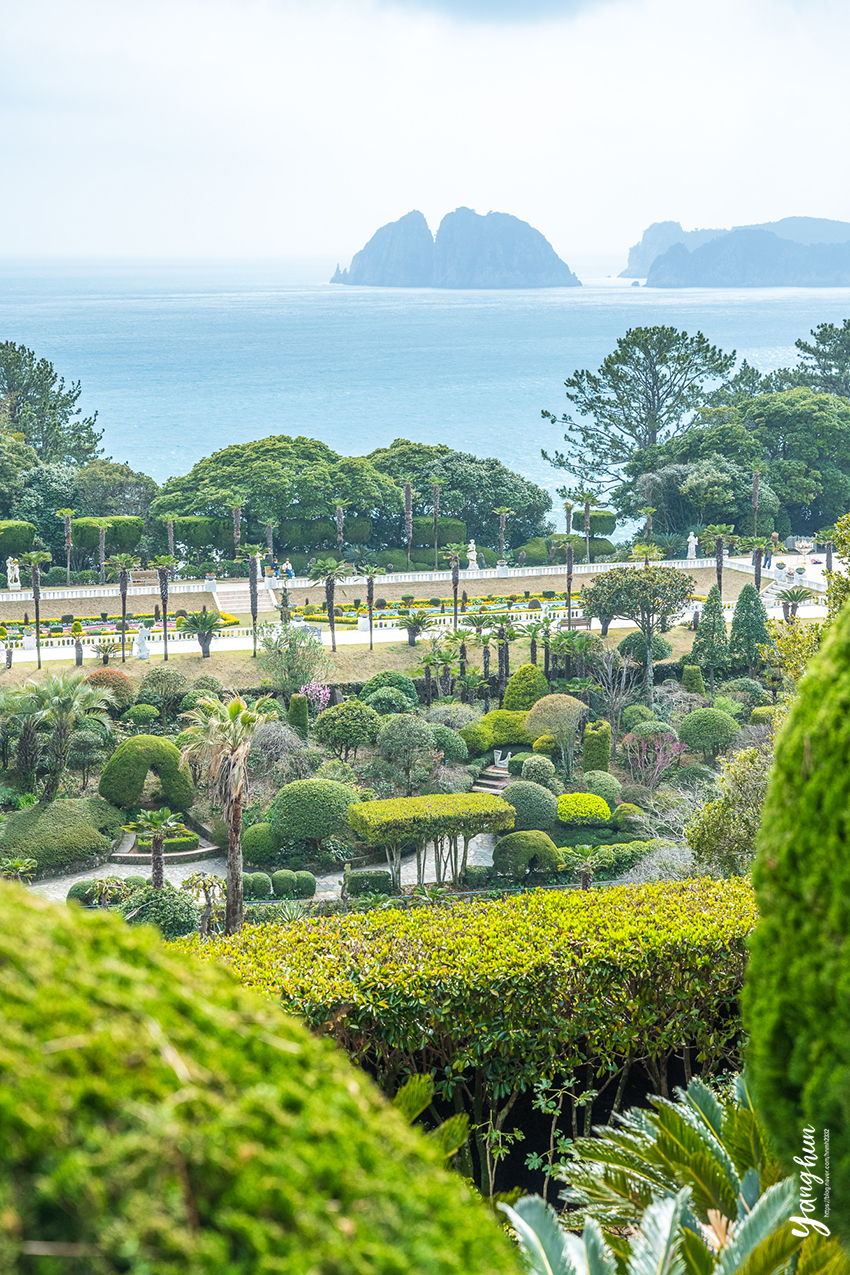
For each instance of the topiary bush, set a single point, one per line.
(284, 884)
(547, 745)
(596, 746)
(260, 847)
(478, 876)
(173, 912)
(141, 716)
(762, 716)
(636, 794)
(298, 714)
(388, 700)
(603, 785)
(539, 769)
(450, 742)
(347, 727)
(82, 892)
(173, 845)
(494, 729)
(633, 714)
(583, 809)
(397, 681)
(626, 815)
(262, 1167)
(62, 836)
(634, 647)
(310, 810)
(207, 684)
(256, 885)
(536, 807)
(708, 731)
(516, 762)
(119, 684)
(124, 775)
(652, 727)
(748, 686)
(305, 885)
(525, 687)
(360, 883)
(692, 679)
(519, 853)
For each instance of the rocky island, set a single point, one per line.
(470, 251)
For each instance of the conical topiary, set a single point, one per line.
(797, 995)
(525, 687)
(711, 646)
(596, 746)
(749, 630)
(692, 680)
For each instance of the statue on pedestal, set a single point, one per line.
(140, 646)
(13, 573)
(472, 555)
(692, 545)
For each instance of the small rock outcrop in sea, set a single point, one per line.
(753, 259)
(471, 251)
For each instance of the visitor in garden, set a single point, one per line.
(287, 566)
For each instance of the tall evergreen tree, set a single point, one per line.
(749, 630)
(711, 646)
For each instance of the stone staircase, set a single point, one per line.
(234, 597)
(493, 780)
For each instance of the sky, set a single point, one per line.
(294, 128)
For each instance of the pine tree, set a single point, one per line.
(711, 647)
(749, 630)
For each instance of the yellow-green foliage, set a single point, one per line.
(546, 744)
(166, 1119)
(532, 985)
(124, 775)
(692, 679)
(525, 687)
(797, 1004)
(596, 746)
(518, 852)
(583, 808)
(495, 729)
(627, 814)
(420, 818)
(762, 716)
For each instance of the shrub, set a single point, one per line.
(517, 761)
(256, 885)
(708, 731)
(754, 691)
(123, 777)
(538, 769)
(603, 785)
(207, 684)
(164, 688)
(478, 876)
(596, 746)
(525, 687)
(61, 835)
(305, 885)
(397, 681)
(536, 807)
(269, 1084)
(651, 727)
(607, 862)
(495, 729)
(636, 794)
(633, 714)
(762, 716)
(560, 716)
(580, 809)
(627, 815)
(260, 846)
(694, 775)
(339, 771)
(346, 727)
(112, 679)
(388, 700)
(284, 884)
(15, 538)
(547, 745)
(520, 852)
(450, 743)
(369, 883)
(452, 715)
(81, 892)
(310, 810)
(692, 679)
(140, 715)
(634, 647)
(173, 845)
(173, 912)
(298, 715)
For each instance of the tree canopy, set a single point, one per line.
(39, 405)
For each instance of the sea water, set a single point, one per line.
(180, 359)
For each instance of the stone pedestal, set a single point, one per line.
(502, 568)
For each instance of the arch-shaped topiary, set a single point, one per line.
(519, 851)
(124, 774)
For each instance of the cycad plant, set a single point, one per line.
(205, 625)
(791, 599)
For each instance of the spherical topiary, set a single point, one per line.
(596, 746)
(603, 785)
(548, 745)
(141, 715)
(386, 699)
(398, 681)
(634, 646)
(762, 716)
(520, 852)
(81, 892)
(310, 810)
(583, 809)
(525, 687)
(627, 815)
(708, 731)
(124, 775)
(536, 807)
(346, 727)
(651, 728)
(305, 885)
(176, 1075)
(796, 1005)
(450, 743)
(539, 769)
(692, 679)
(260, 846)
(284, 884)
(633, 714)
(119, 684)
(256, 885)
(207, 684)
(173, 912)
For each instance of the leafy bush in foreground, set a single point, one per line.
(268, 1151)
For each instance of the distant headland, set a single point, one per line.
(470, 251)
(803, 252)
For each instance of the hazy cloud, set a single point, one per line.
(500, 10)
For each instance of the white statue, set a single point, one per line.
(140, 646)
(13, 573)
(692, 545)
(472, 555)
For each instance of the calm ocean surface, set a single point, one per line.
(182, 359)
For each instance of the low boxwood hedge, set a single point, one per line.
(369, 882)
(173, 845)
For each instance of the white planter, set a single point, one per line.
(502, 568)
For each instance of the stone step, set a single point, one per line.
(182, 856)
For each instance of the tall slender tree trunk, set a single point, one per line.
(157, 861)
(532, 654)
(649, 677)
(569, 586)
(101, 549)
(340, 524)
(237, 528)
(67, 549)
(170, 531)
(429, 691)
(408, 519)
(587, 530)
(35, 577)
(546, 658)
(234, 905)
(162, 572)
(122, 582)
(829, 555)
(370, 603)
(718, 560)
(757, 563)
(330, 590)
(252, 587)
(436, 494)
(755, 502)
(455, 583)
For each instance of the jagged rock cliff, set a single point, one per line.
(471, 251)
(752, 259)
(656, 239)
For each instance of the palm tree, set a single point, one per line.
(408, 519)
(330, 572)
(67, 515)
(237, 504)
(103, 525)
(339, 516)
(271, 524)
(219, 736)
(648, 511)
(429, 662)
(253, 553)
(453, 552)
(164, 564)
(123, 563)
(717, 536)
(415, 622)
(435, 496)
(587, 497)
(755, 502)
(568, 510)
(66, 701)
(205, 625)
(370, 570)
(470, 684)
(569, 586)
(504, 513)
(534, 631)
(156, 824)
(34, 560)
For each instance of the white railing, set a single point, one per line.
(107, 591)
(90, 640)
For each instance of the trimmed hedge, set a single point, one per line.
(298, 714)
(386, 699)
(603, 785)
(257, 885)
(305, 885)
(536, 807)
(634, 646)
(284, 884)
(547, 745)
(520, 852)
(692, 679)
(81, 892)
(174, 845)
(124, 775)
(310, 810)
(516, 763)
(140, 714)
(525, 687)
(360, 883)
(580, 809)
(260, 846)
(626, 815)
(572, 984)
(494, 729)
(60, 835)
(16, 538)
(633, 714)
(288, 1158)
(596, 746)
(450, 742)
